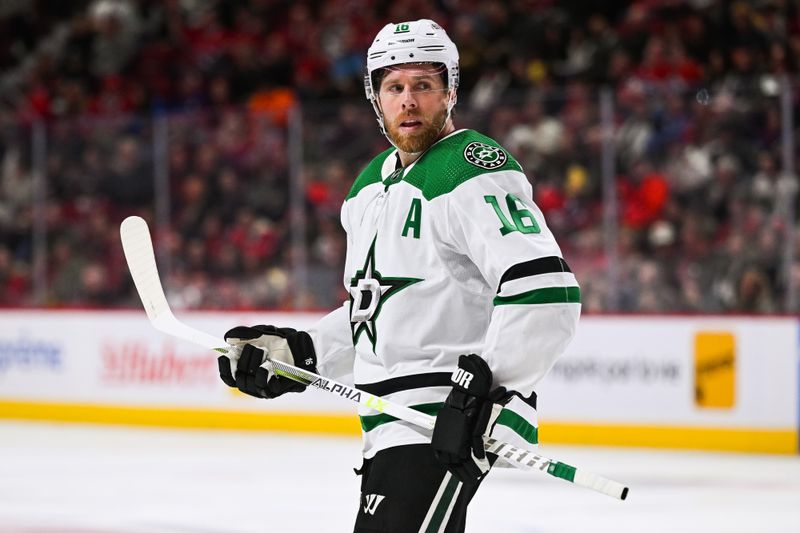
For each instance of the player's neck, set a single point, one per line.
(407, 158)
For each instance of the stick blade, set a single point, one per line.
(141, 260)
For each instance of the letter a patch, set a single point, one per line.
(413, 219)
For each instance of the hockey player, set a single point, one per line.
(459, 304)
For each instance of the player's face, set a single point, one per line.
(413, 99)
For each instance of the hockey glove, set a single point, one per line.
(468, 414)
(258, 343)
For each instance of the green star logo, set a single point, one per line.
(369, 291)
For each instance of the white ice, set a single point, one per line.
(90, 479)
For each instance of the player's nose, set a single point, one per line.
(408, 99)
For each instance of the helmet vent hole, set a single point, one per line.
(392, 58)
(411, 55)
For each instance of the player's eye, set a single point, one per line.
(394, 88)
(423, 86)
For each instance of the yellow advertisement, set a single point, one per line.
(715, 369)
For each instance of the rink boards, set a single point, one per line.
(719, 383)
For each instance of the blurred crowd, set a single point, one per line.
(236, 128)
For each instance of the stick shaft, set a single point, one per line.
(139, 254)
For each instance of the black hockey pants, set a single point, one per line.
(406, 490)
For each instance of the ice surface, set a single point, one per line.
(89, 479)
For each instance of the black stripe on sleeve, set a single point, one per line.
(415, 381)
(543, 265)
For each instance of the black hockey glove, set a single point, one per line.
(257, 343)
(469, 413)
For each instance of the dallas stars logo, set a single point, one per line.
(369, 290)
(484, 155)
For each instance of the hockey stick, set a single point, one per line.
(139, 254)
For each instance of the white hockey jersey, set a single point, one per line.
(448, 256)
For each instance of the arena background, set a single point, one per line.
(660, 140)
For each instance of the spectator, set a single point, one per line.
(697, 142)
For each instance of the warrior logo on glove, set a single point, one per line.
(462, 377)
(469, 414)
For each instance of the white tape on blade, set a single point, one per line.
(139, 254)
(141, 260)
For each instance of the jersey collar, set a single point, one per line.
(392, 161)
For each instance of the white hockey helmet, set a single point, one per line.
(418, 41)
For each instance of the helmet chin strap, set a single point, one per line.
(451, 102)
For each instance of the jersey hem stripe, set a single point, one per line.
(530, 400)
(370, 422)
(518, 425)
(549, 295)
(508, 418)
(404, 383)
